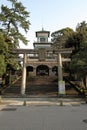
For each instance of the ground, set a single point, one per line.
(43, 115)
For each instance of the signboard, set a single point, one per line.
(42, 54)
(66, 59)
(61, 87)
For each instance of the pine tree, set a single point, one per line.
(13, 20)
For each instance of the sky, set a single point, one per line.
(52, 15)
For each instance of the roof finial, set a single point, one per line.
(42, 28)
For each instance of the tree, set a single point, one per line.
(79, 37)
(60, 37)
(13, 20)
(3, 50)
(78, 41)
(81, 30)
(78, 64)
(9, 56)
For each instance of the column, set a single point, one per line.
(34, 71)
(50, 72)
(23, 85)
(61, 83)
(60, 77)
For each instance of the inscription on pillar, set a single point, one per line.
(42, 54)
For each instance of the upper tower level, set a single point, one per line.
(42, 39)
(42, 36)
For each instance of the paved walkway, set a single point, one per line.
(42, 101)
(41, 114)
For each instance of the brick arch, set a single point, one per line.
(43, 65)
(29, 68)
(35, 64)
(42, 70)
(31, 65)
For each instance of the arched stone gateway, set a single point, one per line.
(37, 66)
(42, 70)
(43, 60)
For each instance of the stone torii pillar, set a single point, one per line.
(23, 85)
(60, 77)
(61, 83)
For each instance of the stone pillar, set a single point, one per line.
(23, 85)
(50, 72)
(61, 83)
(34, 71)
(60, 77)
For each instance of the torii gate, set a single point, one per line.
(58, 52)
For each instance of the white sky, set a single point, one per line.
(53, 15)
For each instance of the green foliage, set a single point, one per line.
(3, 45)
(3, 50)
(79, 63)
(6, 57)
(80, 57)
(60, 37)
(14, 20)
(2, 65)
(68, 38)
(78, 40)
(10, 57)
